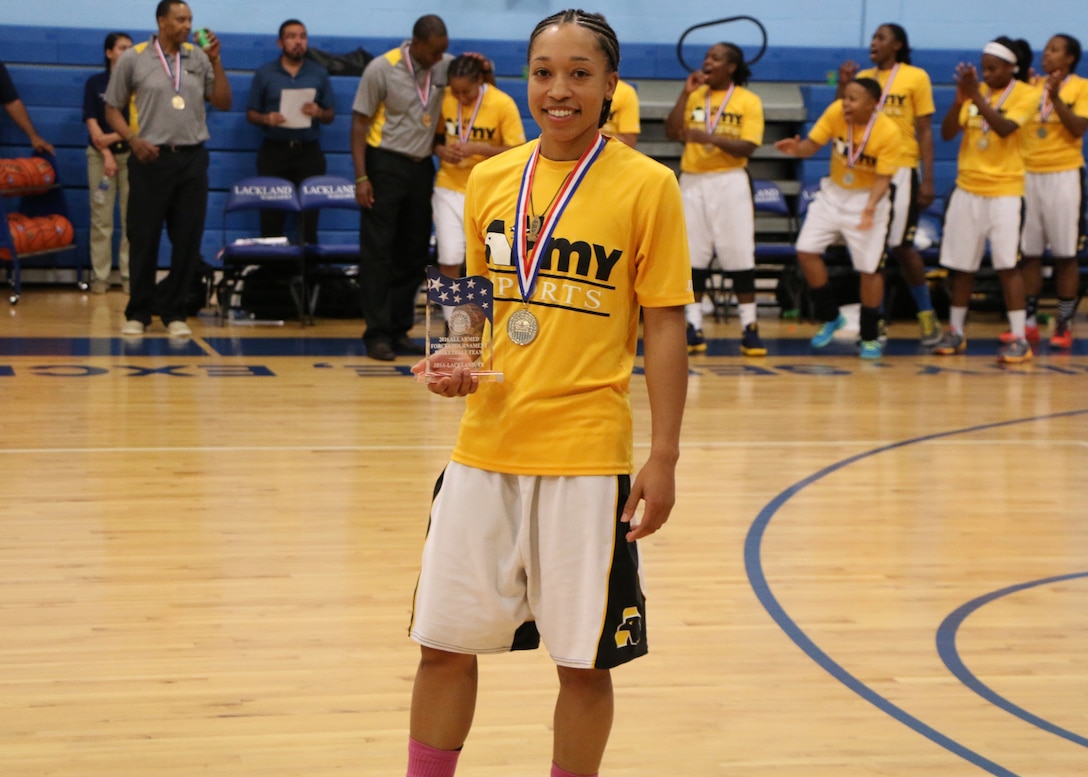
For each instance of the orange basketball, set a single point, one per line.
(18, 238)
(36, 235)
(12, 174)
(60, 230)
(39, 173)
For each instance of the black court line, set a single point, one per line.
(753, 562)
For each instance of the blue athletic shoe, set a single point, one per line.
(827, 331)
(871, 349)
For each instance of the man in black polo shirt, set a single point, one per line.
(168, 169)
(291, 152)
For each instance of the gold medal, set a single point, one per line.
(426, 120)
(983, 143)
(522, 327)
(178, 102)
(534, 228)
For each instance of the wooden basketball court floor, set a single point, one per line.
(208, 552)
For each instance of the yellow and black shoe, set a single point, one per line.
(750, 344)
(696, 341)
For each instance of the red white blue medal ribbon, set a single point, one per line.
(1004, 97)
(465, 132)
(1046, 106)
(887, 87)
(176, 75)
(528, 261)
(853, 156)
(712, 124)
(425, 92)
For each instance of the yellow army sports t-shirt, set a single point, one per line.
(880, 155)
(563, 407)
(742, 119)
(910, 96)
(497, 123)
(997, 170)
(623, 118)
(1058, 150)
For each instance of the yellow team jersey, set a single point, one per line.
(623, 118)
(742, 119)
(910, 96)
(1049, 147)
(880, 155)
(564, 405)
(498, 123)
(989, 165)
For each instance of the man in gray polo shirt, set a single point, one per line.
(394, 120)
(168, 169)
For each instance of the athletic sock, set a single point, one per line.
(557, 772)
(921, 297)
(1017, 319)
(1066, 309)
(1031, 307)
(957, 318)
(426, 761)
(693, 312)
(747, 311)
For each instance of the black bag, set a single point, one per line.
(351, 64)
(269, 292)
(336, 294)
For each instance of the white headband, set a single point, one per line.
(1000, 51)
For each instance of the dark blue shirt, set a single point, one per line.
(271, 79)
(8, 92)
(94, 107)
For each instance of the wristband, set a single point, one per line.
(362, 178)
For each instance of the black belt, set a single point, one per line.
(290, 143)
(167, 148)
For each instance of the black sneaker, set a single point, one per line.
(696, 341)
(750, 344)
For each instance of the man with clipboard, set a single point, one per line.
(290, 98)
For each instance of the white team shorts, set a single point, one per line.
(720, 219)
(836, 212)
(449, 225)
(904, 208)
(970, 220)
(1053, 208)
(513, 559)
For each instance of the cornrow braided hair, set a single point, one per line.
(606, 39)
(465, 66)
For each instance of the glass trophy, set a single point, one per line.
(462, 335)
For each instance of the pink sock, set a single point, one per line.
(425, 761)
(557, 772)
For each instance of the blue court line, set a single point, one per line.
(753, 562)
(946, 647)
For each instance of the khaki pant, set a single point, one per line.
(102, 214)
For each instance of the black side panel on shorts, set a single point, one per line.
(623, 636)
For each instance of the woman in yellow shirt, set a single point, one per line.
(987, 201)
(1054, 185)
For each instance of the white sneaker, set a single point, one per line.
(133, 328)
(179, 329)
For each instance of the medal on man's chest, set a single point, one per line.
(178, 102)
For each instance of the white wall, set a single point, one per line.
(956, 24)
